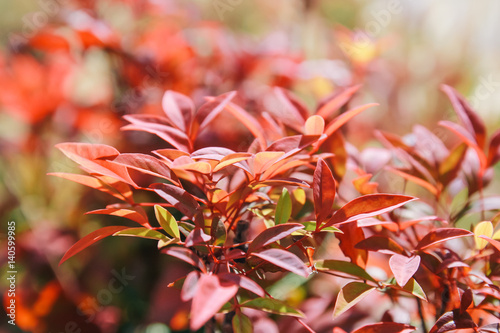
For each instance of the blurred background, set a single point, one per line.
(69, 70)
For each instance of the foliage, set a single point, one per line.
(245, 219)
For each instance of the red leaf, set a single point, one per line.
(385, 328)
(380, 244)
(352, 234)
(136, 214)
(208, 111)
(211, 295)
(244, 282)
(323, 191)
(367, 206)
(273, 234)
(197, 236)
(453, 320)
(493, 242)
(284, 259)
(335, 102)
(186, 255)
(494, 149)
(419, 181)
(403, 268)
(469, 117)
(177, 197)
(90, 239)
(250, 122)
(91, 158)
(466, 300)
(291, 111)
(336, 123)
(441, 235)
(98, 184)
(179, 109)
(147, 164)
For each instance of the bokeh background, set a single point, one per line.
(69, 70)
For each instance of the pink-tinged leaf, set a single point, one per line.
(493, 242)
(380, 244)
(285, 260)
(211, 153)
(367, 206)
(350, 295)
(335, 102)
(490, 328)
(469, 117)
(336, 123)
(264, 160)
(179, 109)
(91, 158)
(315, 125)
(136, 214)
(185, 255)
(188, 164)
(146, 164)
(190, 286)
(97, 184)
(291, 111)
(414, 179)
(208, 111)
(170, 154)
(273, 234)
(352, 234)
(385, 327)
(494, 149)
(177, 197)
(441, 235)
(244, 282)
(174, 136)
(404, 267)
(467, 139)
(451, 321)
(90, 239)
(211, 295)
(232, 159)
(324, 189)
(292, 144)
(250, 122)
(197, 236)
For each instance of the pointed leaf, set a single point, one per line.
(404, 267)
(146, 164)
(167, 221)
(273, 234)
(177, 197)
(285, 260)
(231, 159)
(337, 101)
(323, 191)
(351, 235)
(449, 168)
(244, 282)
(493, 242)
(211, 295)
(494, 149)
(411, 287)
(179, 109)
(272, 306)
(141, 232)
(467, 300)
(186, 255)
(343, 267)
(380, 244)
(197, 236)
(451, 321)
(350, 295)
(367, 206)
(190, 286)
(442, 235)
(90, 239)
(136, 214)
(336, 123)
(484, 228)
(385, 327)
(283, 208)
(208, 111)
(242, 324)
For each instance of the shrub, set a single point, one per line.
(245, 219)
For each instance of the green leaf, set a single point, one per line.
(272, 306)
(283, 208)
(344, 267)
(167, 221)
(242, 324)
(350, 295)
(311, 226)
(411, 287)
(142, 232)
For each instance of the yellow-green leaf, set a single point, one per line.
(141, 232)
(350, 295)
(272, 306)
(242, 324)
(283, 208)
(484, 228)
(167, 221)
